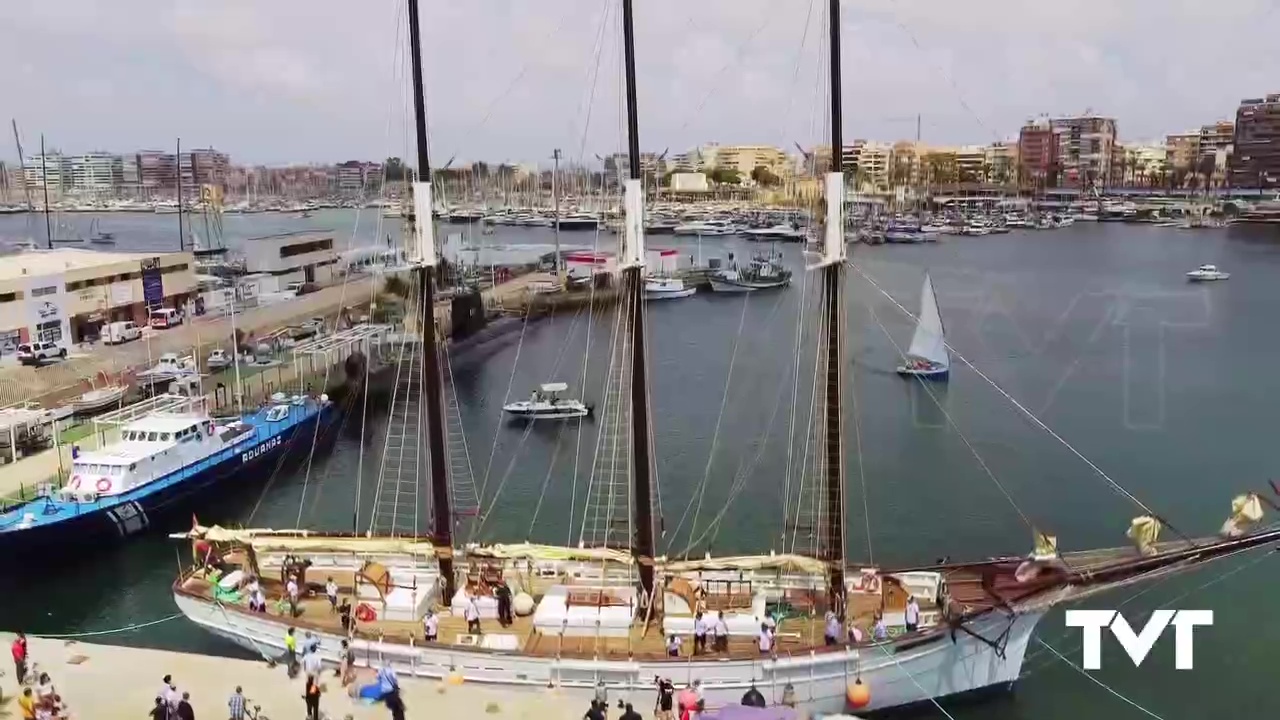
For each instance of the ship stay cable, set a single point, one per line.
(956, 427)
(1099, 683)
(1023, 408)
(715, 435)
(506, 398)
(746, 467)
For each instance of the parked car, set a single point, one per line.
(120, 332)
(39, 352)
(165, 318)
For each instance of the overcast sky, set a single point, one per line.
(282, 81)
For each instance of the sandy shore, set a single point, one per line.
(105, 682)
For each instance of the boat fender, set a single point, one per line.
(103, 485)
(365, 613)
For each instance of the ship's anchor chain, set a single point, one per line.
(998, 645)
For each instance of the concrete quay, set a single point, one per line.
(107, 682)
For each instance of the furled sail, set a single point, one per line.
(928, 342)
(1246, 511)
(1144, 530)
(534, 551)
(1043, 557)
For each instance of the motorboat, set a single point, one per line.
(546, 404)
(579, 221)
(218, 360)
(664, 288)
(784, 232)
(706, 227)
(927, 358)
(1207, 273)
(169, 368)
(99, 399)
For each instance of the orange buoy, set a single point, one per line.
(454, 678)
(858, 695)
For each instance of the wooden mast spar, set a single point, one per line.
(427, 258)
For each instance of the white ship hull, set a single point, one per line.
(935, 669)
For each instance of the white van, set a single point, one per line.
(120, 332)
(165, 318)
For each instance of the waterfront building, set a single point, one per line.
(871, 167)
(275, 261)
(971, 164)
(96, 171)
(65, 295)
(1086, 145)
(697, 159)
(157, 170)
(354, 177)
(1141, 165)
(51, 170)
(203, 167)
(1256, 158)
(746, 158)
(1038, 154)
(618, 166)
(1001, 161)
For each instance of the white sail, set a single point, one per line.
(928, 343)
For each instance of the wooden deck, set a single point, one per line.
(970, 589)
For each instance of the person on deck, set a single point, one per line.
(832, 634)
(290, 656)
(291, 595)
(503, 593)
(765, 641)
(472, 615)
(27, 704)
(911, 615)
(879, 631)
(344, 615)
(430, 627)
(663, 709)
(720, 630)
(347, 667)
(331, 592)
(673, 645)
(699, 634)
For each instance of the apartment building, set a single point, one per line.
(97, 171)
(1001, 160)
(1255, 161)
(696, 160)
(874, 161)
(157, 170)
(618, 165)
(1038, 154)
(353, 176)
(51, 170)
(1086, 145)
(971, 163)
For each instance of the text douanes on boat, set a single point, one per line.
(601, 613)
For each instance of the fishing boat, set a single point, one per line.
(764, 272)
(546, 404)
(218, 360)
(170, 451)
(927, 357)
(168, 368)
(666, 288)
(598, 613)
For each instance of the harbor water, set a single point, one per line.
(1164, 386)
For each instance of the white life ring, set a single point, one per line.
(103, 485)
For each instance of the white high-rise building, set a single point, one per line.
(96, 171)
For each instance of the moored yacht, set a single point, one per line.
(664, 288)
(706, 227)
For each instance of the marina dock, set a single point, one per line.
(108, 682)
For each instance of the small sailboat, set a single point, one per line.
(665, 288)
(98, 237)
(99, 399)
(927, 357)
(546, 404)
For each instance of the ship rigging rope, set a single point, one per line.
(810, 440)
(1098, 682)
(586, 354)
(745, 468)
(954, 426)
(1030, 415)
(884, 648)
(715, 435)
(796, 356)
(506, 398)
(113, 631)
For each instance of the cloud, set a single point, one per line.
(325, 80)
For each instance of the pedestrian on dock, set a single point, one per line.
(290, 656)
(19, 651)
(312, 698)
(347, 667)
(159, 711)
(235, 706)
(184, 710)
(27, 703)
(169, 693)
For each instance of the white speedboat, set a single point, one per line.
(99, 399)
(1207, 273)
(785, 232)
(927, 358)
(707, 227)
(546, 404)
(663, 288)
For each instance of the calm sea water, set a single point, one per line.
(1165, 386)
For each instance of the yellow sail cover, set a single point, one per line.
(266, 539)
(534, 551)
(1046, 546)
(785, 563)
(1246, 511)
(1144, 530)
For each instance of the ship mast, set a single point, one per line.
(833, 320)
(426, 259)
(633, 288)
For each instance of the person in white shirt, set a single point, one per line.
(311, 665)
(832, 634)
(721, 631)
(291, 591)
(331, 591)
(855, 635)
(766, 639)
(699, 634)
(673, 645)
(912, 614)
(430, 626)
(770, 622)
(472, 614)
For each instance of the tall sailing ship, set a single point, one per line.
(603, 613)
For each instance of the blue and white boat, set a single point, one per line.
(169, 453)
(928, 358)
